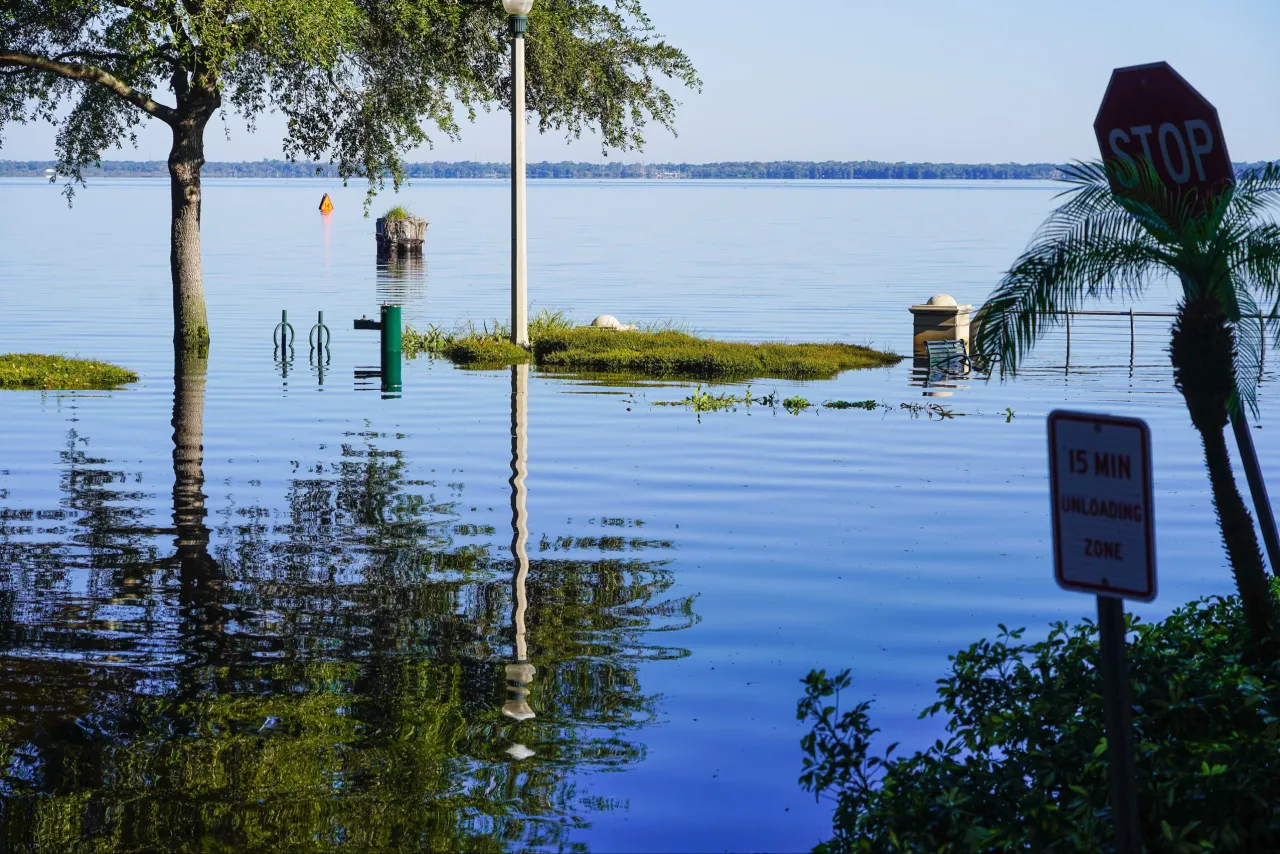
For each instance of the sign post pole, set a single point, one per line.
(1114, 670)
(1104, 543)
(1257, 486)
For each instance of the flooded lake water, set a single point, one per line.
(266, 607)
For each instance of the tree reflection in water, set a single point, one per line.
(336, 673)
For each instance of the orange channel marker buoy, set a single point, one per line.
(326, 204)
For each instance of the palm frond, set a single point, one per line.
(1249, 333)
(1144, 195)
(1097, 257)
(1255, 256)
(1255, 190)
(1118, 228)
(1254, 264)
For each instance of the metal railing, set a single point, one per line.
(1133, 315)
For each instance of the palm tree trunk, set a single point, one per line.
(186, 158)
(1238, 536)
(1202, 350)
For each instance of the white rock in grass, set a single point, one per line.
(608, 321)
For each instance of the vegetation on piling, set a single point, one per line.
(397, 213)
(31, 371)
(661, 351)
(1023, 766)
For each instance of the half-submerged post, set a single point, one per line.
(389, 326)
(939, 319)
(400, 236)
(391, 350)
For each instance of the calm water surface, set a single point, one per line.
(252, 603)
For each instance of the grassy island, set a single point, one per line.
(34, 372)
(652, 352)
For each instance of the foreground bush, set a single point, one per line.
(1024, 765)
(49, 373)
(557, 344)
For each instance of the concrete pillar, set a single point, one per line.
(398, 237)
(939, 319)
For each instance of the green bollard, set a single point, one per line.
(391, 349)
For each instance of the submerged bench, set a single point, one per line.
(950, 356)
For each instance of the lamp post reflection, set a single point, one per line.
(519, 673)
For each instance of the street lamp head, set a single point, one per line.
(517, 7)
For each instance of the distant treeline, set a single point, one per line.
(792, 170)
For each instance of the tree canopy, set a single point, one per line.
(359, 81)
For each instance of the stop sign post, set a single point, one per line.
(1151, 111)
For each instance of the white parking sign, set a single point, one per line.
(1100, 481)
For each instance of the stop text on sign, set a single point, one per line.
(1181, 150)
(1100, 480)
(1151, 113)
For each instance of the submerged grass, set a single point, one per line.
(658, 351)
(705, 401)
(32, 371)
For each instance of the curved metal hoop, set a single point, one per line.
(320, 337)
(283, 336)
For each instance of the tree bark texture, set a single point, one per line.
(186, 159)
(1202, 351)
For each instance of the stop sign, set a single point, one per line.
(1149, 110)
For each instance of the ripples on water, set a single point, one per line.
(257, 604)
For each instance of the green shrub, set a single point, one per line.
(1024, 765)
(396, 213)
(49, 373)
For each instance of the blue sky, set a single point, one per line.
(942, 80)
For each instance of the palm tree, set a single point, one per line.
(1105, 243)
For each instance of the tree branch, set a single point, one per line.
(157, 52)
(90, 74)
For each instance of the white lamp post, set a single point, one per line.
(519, 11)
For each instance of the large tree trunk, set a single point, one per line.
(1202, 350)
(186, 159)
